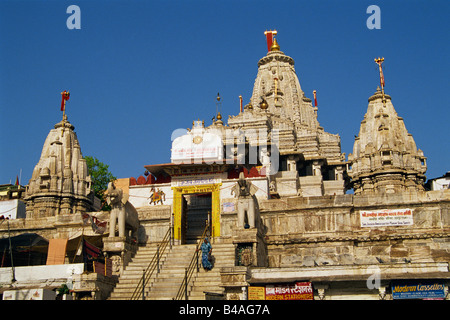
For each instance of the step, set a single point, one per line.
(165, 285)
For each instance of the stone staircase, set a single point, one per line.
(209, 281)
(133, 272)
(168, 281)
(165, 285)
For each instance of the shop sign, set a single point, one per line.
(426, 289)
(256, 293)
(386, 218)
(297, 291)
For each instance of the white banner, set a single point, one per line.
(386, 218)
(200, 147)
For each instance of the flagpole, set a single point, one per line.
(379, 61)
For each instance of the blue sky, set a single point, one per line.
(137, 70)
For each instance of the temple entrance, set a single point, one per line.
(191, 205)
(196, 214)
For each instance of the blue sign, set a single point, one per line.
(418, 289)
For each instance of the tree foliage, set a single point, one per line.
(100, 176)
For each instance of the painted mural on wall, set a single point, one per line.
(157, 196)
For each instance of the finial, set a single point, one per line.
(219, 119)
(263, 104)
(275, 46)
(218, 106)
(379, 62)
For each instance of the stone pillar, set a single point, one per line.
(120, 251)
(234, 280)
(250, 245)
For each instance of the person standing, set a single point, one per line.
(206, 254)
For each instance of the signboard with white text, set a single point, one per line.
(418, 289)
(296, 291)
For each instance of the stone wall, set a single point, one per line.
(327, 231)
(302, 231)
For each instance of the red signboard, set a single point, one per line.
(297, 291)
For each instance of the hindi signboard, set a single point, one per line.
(297, 291)
(386, 218)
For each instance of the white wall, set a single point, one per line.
(38, 274)
(12, 209)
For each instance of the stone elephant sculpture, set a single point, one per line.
(247, 209)
(123, 213)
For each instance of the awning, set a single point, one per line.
(24, 242)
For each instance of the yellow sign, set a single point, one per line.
(256, 293)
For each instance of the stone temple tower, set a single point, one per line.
(385, 158)
(60, 183)
(310, 159)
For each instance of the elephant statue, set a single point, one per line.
(246, 202)
(122, 212)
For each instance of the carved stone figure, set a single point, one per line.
(116, 263)
(122, 212)
(246, 207)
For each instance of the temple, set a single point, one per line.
(60, 183)
(287, 214)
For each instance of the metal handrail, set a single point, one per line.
(190, 269)
(154, 264)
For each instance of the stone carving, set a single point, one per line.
(290, 121)
(123, 213)
(116, 263)
(385, 157)
(246, 206)
(60, 183)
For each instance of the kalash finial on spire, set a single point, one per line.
(379, 62)
(275, 46)
(218, 107)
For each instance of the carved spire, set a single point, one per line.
(385, 158)
(60, 183)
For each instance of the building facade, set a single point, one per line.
(271, 185)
